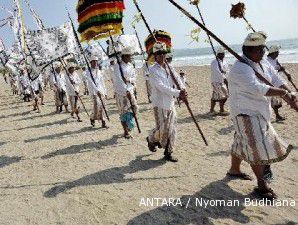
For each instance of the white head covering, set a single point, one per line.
(71, 64)
(220, 50)
(93, 58)
(255, 39)
(127, 51)
(159, 47)
(56, 65)
(274, 48)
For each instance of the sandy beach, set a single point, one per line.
(54, 170)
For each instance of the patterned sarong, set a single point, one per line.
(165, 128)
(220, 92)
(98, 111)
(256, 141)
(60, 98)
(276, 101)
(123, 104)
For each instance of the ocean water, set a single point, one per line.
(204, 56)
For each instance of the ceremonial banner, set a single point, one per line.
(48, 45)
(94, 49)
(37, 19)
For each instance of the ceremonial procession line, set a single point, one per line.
(105, 85)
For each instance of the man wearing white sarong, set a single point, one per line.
(96, 89)
(37, 88)
(276, 102)
(72, 81)
(163, 97)
(59, 87)
(25, 85)
(125, 91)
(219, 70)
(255, 139)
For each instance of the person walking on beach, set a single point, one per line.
(276, 102)
(219, 71)
(163, 97)
(94, 90)
(124, 91)
(255, 139)
(59, 87)
(73, 89)
(37, 89)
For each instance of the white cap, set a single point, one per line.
(255, 39)
(71, 64)
(94, 58)
(220, 50)
(263, 33)
(159, 47)
(274, 48)
(127, 51)
(56, 65)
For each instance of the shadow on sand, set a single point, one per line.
(76, 149)
(6, 160)
(109, 176)
(195, 213)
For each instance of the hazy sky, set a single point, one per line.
(277, 18)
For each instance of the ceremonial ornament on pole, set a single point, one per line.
(238, 11)
(195, 35)
(194, 2)
(99, 18)
(159, 36)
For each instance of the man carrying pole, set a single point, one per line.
(276, 102)
(125, 90)
(96, 89)
(219, 70)
(59, 87)
(73, 88)
(163, 102)
(255, 140)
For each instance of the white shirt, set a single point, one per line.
(24, 80)
(273, 62)
(75, 87)
(247, 92)
(129, 73)
(216, 75)
(99, 85)
(37, 84)
(58, 79)
(163, 87)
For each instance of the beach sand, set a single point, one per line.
(54, 170)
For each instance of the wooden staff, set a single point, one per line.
(237, 56)
(251, 27)
(210, 40)
(144, 58)
(133, 107)
(87, 63)
(67, 73)
(288, 75)
(172, 76)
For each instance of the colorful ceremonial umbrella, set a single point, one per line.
(160, 36)
(99, 18)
